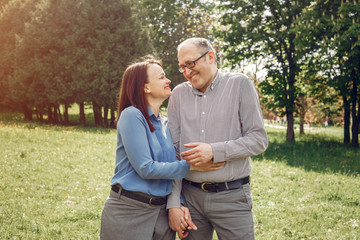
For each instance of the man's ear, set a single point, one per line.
(212, 57)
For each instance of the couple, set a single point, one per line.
(215, 123)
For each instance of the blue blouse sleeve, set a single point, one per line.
(133, 131)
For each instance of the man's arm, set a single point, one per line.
(253, 139)
(174, 197)
(179, 218)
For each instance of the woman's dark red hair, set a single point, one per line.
(132, 88)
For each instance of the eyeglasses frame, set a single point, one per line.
(182, 69)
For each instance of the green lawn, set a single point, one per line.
(54, 181)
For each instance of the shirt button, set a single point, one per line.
(204, 96)
(202, 131)
(203, 113)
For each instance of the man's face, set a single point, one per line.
(200, 75)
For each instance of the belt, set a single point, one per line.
(151, 200)
(218, 187)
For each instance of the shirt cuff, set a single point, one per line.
(173, 202)
(218, 151)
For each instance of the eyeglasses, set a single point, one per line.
(190, 64)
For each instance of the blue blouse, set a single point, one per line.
(145, 160)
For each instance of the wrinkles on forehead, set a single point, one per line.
(188, 53)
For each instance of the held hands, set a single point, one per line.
(200, 157)
(180, 221)
(208, 166)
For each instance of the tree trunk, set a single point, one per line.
(56, 116)
(59, 114)
(82, 114)
(354, 112)
(106, 121)
(112, 118)
(290, 135)
(302, 119)
(346, 120)
(97, 114)
(303, 107)
(290, 108)
(27, 112)
(355, 132)
(66, 113)
(39, 113)
(50, 114)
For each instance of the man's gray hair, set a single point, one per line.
(200, 43)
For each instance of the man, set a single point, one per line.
(214, 117)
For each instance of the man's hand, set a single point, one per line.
(180, 220)
(200, 153)
(208, 166)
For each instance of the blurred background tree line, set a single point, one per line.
(57, 53)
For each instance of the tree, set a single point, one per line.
(115, 38)
(41, 68)
(335, 47)
(170, 23)
(75, 52)
(254, 29)
(314, 89)
(13, 15)
(348, 52)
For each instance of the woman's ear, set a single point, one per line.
(147, 88)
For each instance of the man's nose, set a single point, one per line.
(187, 71)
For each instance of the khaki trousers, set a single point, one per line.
(127, 219)
(228, 212)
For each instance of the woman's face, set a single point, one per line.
(157, 86)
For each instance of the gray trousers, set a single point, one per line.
(127, 219)
(228, 212)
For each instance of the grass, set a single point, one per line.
(307, 190)
(54, 181)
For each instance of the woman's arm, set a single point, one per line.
(132, 128)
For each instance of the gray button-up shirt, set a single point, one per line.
(227, 116)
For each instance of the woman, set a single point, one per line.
(145, 159)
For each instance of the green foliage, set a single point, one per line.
(314, 42)
(72, 52)
(334, 49)
(13, 15)
(171, 22)
(254, 29)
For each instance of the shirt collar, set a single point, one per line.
(212, 86)
(216, 80)
(152, 115)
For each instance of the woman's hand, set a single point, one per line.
(207, 166)
(180, 221)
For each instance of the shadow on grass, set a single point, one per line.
(313, 152)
